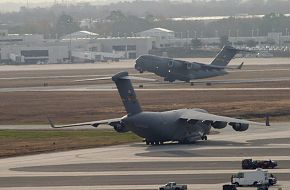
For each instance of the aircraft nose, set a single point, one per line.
(139, 60)
(139, 63)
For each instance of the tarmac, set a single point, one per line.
(203, 165)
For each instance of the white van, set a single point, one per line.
(253, 177)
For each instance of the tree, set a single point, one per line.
(196, 43)
(65, 25)
(251, 43)
(116, 16)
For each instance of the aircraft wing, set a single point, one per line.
(238, 81)
(91, 123)
(201, 116)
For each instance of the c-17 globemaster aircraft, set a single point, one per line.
(182, 125)
(172, 69)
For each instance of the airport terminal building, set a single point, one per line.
(77, 47)
(84, 46)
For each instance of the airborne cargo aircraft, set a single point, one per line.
(182, 125)
(172, 69)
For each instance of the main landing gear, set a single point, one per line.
(153, 142)
(204, 138)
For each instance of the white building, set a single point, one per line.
(19, 54)
(162, 37)
(80, 35)
(131, 47)
(30, 48)
(79, 46)
(128, 47)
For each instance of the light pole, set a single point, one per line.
(187, 37)
(70, 52)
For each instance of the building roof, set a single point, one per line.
(158, 30)
(80, 34)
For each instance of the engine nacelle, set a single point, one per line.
(219, 124)
(119, 127)
(174, 64)
(240, 126)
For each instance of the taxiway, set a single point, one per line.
(204, 165)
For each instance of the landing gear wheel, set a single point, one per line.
(204, 138)
(147, 142)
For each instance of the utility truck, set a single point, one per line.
(253, 178)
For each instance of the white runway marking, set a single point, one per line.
(110, 89)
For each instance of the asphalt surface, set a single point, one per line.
(92, 180)
(143, 166)
(203, 165)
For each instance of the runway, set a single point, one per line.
(203, 165)
(147, 87)
(135, 74)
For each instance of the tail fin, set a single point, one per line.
(127, 93)
(240, 66)
(225, 56)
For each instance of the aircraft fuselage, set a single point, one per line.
(172, 70)
(166, 126)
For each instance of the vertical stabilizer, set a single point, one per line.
(224, 56)
(127, 93)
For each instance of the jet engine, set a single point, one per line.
(119, 127)
(239, 126)
(219, 124)
(174, 64)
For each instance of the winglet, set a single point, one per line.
(240, 66)
(267, 119)
(51, 123)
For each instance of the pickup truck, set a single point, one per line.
(173, 186)
(254, 164)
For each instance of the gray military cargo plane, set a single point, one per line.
(182, 125)
(172, 69)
